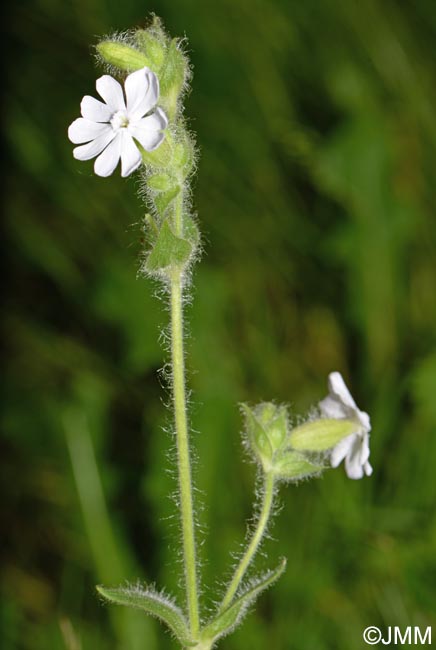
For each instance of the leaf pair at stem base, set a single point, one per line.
(161, 607)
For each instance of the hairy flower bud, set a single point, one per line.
(123, 56)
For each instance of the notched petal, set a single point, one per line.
(93, 109)
(142, 92)
(112, 93)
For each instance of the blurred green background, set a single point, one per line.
(316, 123)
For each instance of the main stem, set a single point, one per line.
(262, 522)
(184, 464)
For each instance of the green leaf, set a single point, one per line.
(153, 603)
(168, 250)
(226, 621)
(152, 42)
(153, 228)
(163, 199)
(160, 157)
(190, 230)
(122, 56)
(320, 435)
(293, 466)
(159, 182)
(184, 153)
(257, 436)
(172, 78)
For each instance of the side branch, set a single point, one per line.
(256, 538)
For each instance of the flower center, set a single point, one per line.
(119, 120)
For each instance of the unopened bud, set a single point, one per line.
(123, 56)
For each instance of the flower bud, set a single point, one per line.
(123, 56)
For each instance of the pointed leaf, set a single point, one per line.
(226, 621)
(190, 230)
(152, 41)
(168, 250)
(257, 436)
(320, 435)
(163, 199)
(153, 229)
(152, 603)
(160, 182)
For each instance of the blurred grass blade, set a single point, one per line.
(111, 564)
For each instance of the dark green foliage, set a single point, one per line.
(317, 131)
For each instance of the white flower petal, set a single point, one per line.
(364, 450)
(111, 91)
(341, 450)
(353, 467)
(92, 149)
(332, 408)
(94, 110)
(108, 160)
(358, 456)
(355, 448)
(364, 419)
(338, 387)
(148, 130)
(82, 130)
(142, 93)
(130, 155)
(368, 469)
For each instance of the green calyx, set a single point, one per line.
(266, 430)
(291, 455)
(320, 435)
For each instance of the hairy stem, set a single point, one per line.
(183, 457)
(256, 538)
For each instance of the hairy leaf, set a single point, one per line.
(168, 250)
(164, 198)
(153, 603)
(226, 621)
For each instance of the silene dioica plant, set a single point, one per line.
(143, 125)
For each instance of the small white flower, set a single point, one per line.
(355, 447)
(111, 128)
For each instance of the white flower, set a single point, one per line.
(110, 129)
(355, 447)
